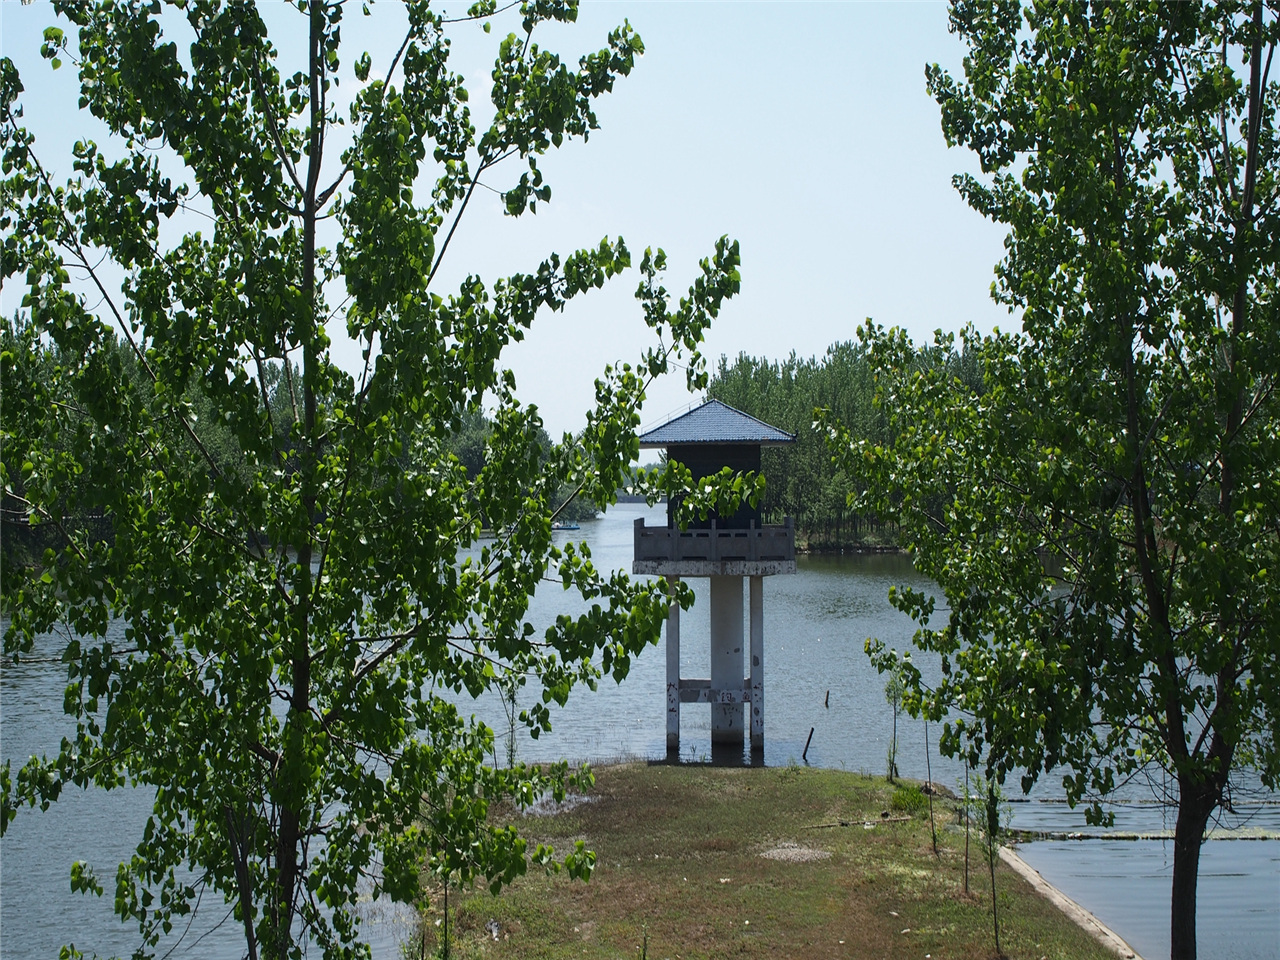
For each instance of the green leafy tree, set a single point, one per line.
(572, 508)
(469, 441)
(804, 482)
(893, 693)
(1103, 515)
(984, 801)
(470, 446)
(298, 600)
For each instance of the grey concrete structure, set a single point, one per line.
(727, 550)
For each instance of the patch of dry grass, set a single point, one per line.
(696, 860)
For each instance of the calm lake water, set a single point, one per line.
(817, 677)
(1126, 883)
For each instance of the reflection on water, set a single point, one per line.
(816, 677)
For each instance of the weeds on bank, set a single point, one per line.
(708, 862)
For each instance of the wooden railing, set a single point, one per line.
(769, 542)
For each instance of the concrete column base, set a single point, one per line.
(757, 664)
(726, 657)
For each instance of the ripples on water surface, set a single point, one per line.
(816, 623)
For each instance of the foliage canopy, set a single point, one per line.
(1104, 514)
(297, 626)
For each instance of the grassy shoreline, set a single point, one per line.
(765, 862)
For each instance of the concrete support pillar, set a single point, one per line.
(673, 673)
(726, 658)
(757, 663)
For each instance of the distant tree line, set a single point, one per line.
(24, 538)
(25, 534)
(470, 445)
(802, 480)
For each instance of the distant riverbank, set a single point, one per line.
(846, 549)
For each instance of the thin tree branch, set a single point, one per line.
(483, 16)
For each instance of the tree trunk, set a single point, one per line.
(893, 748)
(966, 829)
(993, 851)
(295, 776)
(1193, 815)
(933, 828)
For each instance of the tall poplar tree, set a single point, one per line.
(295, 626)
(1104, 515)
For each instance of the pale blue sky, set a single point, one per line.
(801, 129)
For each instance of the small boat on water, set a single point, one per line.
(564, 525)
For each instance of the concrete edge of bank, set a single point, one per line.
(1082, 917)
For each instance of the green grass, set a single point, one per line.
(908, 798)
(681, 862)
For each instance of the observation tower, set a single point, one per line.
(727, 549)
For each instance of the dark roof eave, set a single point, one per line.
(662, 444)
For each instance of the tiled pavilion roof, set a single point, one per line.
(715, 422)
